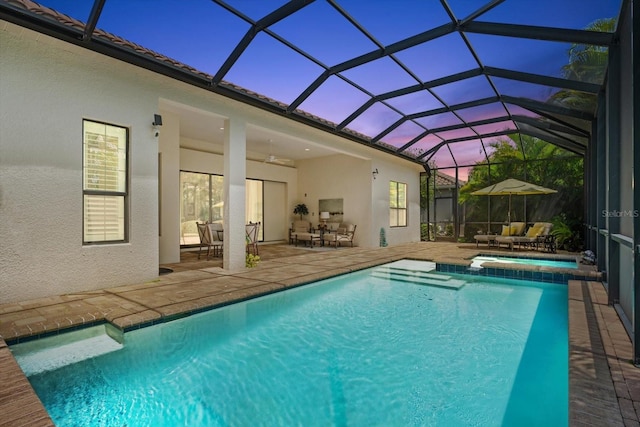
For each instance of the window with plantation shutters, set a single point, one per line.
(104, 182)
(397, 204)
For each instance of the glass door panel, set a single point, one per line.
(202, 200)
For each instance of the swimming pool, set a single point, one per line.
(357, 350)
(546, 262)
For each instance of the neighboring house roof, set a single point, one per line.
(447, 181)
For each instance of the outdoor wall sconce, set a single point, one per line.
(375, 173)
(157, 122)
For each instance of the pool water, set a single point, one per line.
(557, 263)
(355, 350)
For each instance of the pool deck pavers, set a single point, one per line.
(604, 386)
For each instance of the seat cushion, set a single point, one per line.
(329, 237)
(517, 228)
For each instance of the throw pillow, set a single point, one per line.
(535, 230)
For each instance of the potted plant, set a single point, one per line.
(251, 260)
(301, 209)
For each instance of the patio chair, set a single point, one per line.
(298, 227)
(206, 232)
(344, 234)
(253, 230)
(217, 238)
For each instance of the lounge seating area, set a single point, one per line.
(538, 236)
(343, 234)
(332, 233)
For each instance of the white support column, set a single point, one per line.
(235, 165)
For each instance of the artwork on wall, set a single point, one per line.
(334, 207)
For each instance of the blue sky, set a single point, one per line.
(202, 34)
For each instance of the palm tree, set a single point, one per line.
(587, 63)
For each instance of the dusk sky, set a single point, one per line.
(202, 34)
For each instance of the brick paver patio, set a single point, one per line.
(604, 385)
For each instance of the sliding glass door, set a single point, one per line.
(202, 199)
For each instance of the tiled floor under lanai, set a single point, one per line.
(604, 385)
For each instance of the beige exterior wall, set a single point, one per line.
(47, 89)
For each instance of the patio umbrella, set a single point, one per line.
(511, 186)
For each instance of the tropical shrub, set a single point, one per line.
(567, 233)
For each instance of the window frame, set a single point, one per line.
(398, 209)
(108, 193)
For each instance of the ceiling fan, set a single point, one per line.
(278, 160)
(271, 158)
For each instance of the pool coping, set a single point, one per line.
(596, 362)
(514, 271)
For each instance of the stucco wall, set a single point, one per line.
(394, 170)
(47, 89)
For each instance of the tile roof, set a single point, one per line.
(444, 180)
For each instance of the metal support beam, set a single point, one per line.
(543, 106)
(539, 33)
(542, 80)
(601, 179)
(635, 66)
(96, 10)
(272, 18)
(614, 94)
(593, 190)
(549, 126)
(586, 192)
(484, 9)
(455, 207)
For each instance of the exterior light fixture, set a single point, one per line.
(157, 122)
(375, 173)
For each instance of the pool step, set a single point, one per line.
(413, 273)
(412, 265)
(48, 354)
(418, 277)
